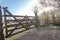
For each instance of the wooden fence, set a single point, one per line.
(14, 24)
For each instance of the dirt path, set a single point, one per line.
(41, 34)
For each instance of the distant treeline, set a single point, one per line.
(50, 17)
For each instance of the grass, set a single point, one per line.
(53, 27)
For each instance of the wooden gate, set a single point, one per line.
(15, 24)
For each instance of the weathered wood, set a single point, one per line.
(32, 20)
(13, 25)
(16, 29)
(18, 32)
(36, 19)
(16, 16)
(1, 29)
(24, 22)
(5, 23)
(26, 19)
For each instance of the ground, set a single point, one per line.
(41, 34)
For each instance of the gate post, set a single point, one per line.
(36, 18)
(1, 29)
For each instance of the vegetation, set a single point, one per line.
(50, 16)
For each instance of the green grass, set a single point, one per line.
(53, 27)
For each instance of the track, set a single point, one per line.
(41, 34)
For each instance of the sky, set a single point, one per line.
(22, 7)
(19, 7)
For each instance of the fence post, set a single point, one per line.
(1, 29)
(36, 19)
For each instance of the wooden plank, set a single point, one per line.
(15, 29)
(1, 29)
(14, 20)
(17, 33)
(5, 23)
(13, 25)
(8, 26)
(20, 20)
(36, 19)
(16, 16)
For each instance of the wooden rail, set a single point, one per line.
(16, 16)
(25, 22)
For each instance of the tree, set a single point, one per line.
(53, 14)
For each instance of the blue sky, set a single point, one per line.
(15, 5)
(19, 7)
